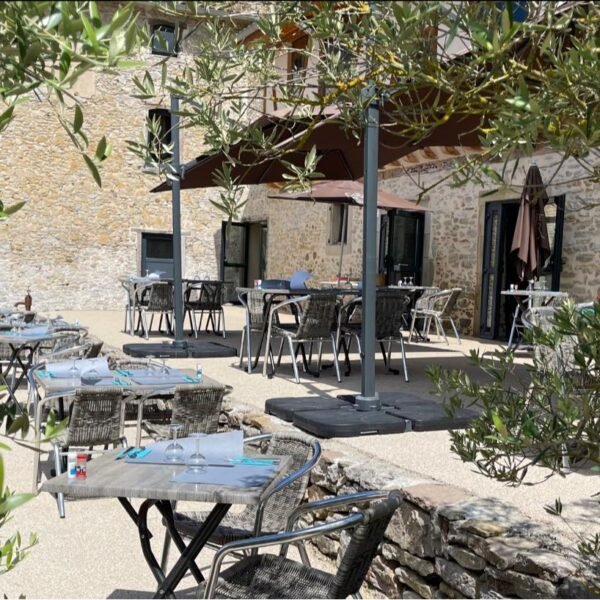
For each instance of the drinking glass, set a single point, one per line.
(197, 461)
(174, 451)
(93, 372)
(411, 280)
(74, 371)
(164, 370)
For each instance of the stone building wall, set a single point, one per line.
(72, 240)
(297, 231)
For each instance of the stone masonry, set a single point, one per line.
(442, 541)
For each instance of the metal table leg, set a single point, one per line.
(168, 582)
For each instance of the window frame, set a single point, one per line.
(158, 51)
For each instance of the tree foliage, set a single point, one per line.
(45, 47)
(530, 85)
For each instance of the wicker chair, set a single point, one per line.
(256, 320)
(271, 515)
(438, 308)
(95, 419)
(160, 300)
(317, 322)
(390, 308)
(270, 576)
(195, 407)
(207, 297)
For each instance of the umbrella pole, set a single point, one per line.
(176, 208)
(369, 399)
(344, 227)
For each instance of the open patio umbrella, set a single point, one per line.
(341, 157)
(530, 239)
(348, 193)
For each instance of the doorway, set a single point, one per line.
(401, 246)
(499, 265)
(243, 255)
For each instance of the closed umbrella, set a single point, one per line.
(349, 193)
(530, 239)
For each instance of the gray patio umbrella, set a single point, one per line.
(341, 158)
(349, 193)
(530, 239)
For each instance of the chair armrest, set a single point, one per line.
(335, 502)
(287, 480)
(277, 539)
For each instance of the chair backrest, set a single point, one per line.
(363, 547)
(390, 305)
(211, 295)
(161, 296)
(301, 448)
(197, 408)
(318, 316)
(422, 302)
(254, 302)
(95, 417)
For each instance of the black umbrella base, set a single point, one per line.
(189, 349)
(337, 417)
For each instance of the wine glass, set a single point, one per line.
(174, 451)
(164, 370)
(149, 365)
(93, 372)
(411, 280)
(197, 461)
(73, 370)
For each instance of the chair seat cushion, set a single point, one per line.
(269, 576)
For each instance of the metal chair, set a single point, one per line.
(95, 419)
(206, 297)
(195, 407)
(390, 308)
(271, 514)
(160, 300)
(271, 576)
(256, 320)
(317, 322)
(438, 308)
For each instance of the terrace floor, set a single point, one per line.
(94, 552)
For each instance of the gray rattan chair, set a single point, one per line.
(438, 308)
(95, 419)
(195, 407)
(271, 576)
(256, 320)
(160, 300)
(317, 322)
(390, 308)
(206, 297)
(275, 507)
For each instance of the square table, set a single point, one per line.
(131, 380)
(110, 478)
(19, 343)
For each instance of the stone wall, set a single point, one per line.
(442, 541)
(297, 231)
(72, 240)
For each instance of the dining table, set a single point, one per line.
(159, 484)
(526, 300)
(23, 342)
(272, 296)
(47, 386)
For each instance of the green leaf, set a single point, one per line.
(78, 119)
(21, 423)
(101, 149)
(93, 169)
(14, 501)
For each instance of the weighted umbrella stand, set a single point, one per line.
(180, 347)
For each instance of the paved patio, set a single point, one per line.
(94, 552)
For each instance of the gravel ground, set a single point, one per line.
(94, 552)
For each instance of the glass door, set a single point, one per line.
(157, 254)
(404, 254)
(492, 269)
(234, 258)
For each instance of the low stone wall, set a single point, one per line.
(442, 542)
